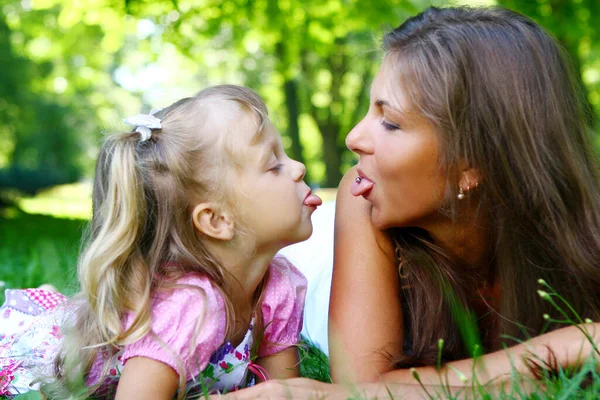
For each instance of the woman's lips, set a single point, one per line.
(361, 186)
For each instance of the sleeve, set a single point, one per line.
(282, 307)
(188, 325)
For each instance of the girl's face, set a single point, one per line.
(399, 154)
(274, 204)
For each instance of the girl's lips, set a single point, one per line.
(361, 186)
(312, 200)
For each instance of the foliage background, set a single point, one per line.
(72, 69)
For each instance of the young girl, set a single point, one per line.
(181, 291)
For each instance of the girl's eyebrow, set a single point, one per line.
(270, 144)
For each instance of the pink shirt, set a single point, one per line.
(198, 312)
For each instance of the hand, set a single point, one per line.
(298, 388)
(303, 388)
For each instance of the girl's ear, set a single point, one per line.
(213, 221)
(470, 178)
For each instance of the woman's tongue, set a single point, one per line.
(361, 187)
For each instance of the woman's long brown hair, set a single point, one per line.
(502, 96)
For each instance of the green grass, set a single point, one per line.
(313, 362)
(37, 249)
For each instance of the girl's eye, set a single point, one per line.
(389, 126)
(276, 168)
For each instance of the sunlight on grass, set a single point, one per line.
(64, 201)
(473, 2)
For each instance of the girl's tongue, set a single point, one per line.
(361, 186)
(313, 200)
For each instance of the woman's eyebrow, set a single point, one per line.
(381, 103)
(384, 103)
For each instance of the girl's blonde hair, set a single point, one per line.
(141, 237)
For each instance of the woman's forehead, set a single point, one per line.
(387, 88)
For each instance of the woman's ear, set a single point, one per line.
(470, 178)
(212, 220)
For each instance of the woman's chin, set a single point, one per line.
(379, 220)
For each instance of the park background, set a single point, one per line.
(72, 70)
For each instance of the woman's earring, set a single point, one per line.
(461, 194)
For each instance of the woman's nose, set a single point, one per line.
(358, 140)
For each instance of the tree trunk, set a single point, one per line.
(290, 91)
(290, 88)
(331, 155)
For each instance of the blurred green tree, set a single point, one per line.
(72, 69)
(576, 25)
(41, 117)
(55, 86)
(38, 150)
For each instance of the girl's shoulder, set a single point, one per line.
(195, 280)
(187, 324)
(282, 306)
(282, 274)
(188, 292)
(176, 308)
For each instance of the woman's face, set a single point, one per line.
(399, 153)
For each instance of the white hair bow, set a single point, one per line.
(144, 123)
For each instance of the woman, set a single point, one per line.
(476, 179)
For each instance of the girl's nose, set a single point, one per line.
(298, 170)
(358, 140)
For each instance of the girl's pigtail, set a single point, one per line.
(113, 273)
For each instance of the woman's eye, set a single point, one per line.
(389, 126)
